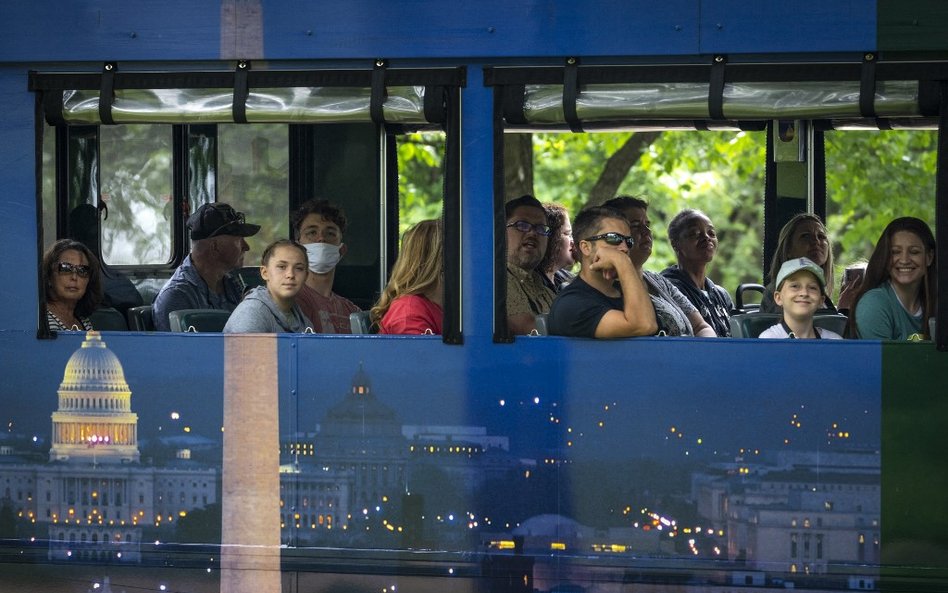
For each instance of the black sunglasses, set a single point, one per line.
(66, 268)
(525, 227)
(614, 239)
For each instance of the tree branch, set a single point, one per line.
(618, 165)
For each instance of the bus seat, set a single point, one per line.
(360, 322)
(108, 319)
(250, 276)
(541, 325)
(739, 304)
(198, 320)
(749, 325)
(141, 319)
(833, 322)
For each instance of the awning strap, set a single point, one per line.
(570, 94)
(241, 92)
(106, 94)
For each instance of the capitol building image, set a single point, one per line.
(94, 499)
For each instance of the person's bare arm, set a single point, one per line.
(521, 323)
(701, 327)
(637, 318)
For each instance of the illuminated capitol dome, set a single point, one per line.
(94, 422)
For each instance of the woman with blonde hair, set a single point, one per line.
(411, 301)
(804, 235)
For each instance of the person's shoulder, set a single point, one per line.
(672, 273)
(774, 331)
(252, 315)
(827, 334)
(659, 281)
(878, 294)
(346, 303)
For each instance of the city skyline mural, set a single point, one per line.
(534, 459)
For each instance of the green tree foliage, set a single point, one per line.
(873, 177)
(420, 178)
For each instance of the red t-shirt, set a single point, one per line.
(412, 314)
(330, 315)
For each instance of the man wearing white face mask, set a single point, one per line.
(319, 226)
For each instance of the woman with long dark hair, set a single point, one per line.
(73, 285)
(898, 294)
(554, 267)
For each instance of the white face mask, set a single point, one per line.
(323, 257)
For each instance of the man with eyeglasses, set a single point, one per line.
(608, 299)
(527, 237)
(204, 280)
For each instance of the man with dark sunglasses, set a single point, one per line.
(204, 280)
(608, 299)
(527, 237)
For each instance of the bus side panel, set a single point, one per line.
(574, 462)
(734, 26)
(914, 409)
(104, 30)
(18, 240)
(371, 29)
(367, 29)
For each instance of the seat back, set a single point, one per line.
(108, 319)
(198, 320)
(749, 325)
(739, 305)
(141, 319)
(834, 322)
(250, 276)
(360, 322)
(541, 325)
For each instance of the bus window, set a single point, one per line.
(253, 177)
(48, 188)
(873, 177)
(136, 177)
(420, 177)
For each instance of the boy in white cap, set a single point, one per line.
(800, 291)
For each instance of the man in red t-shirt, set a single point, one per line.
(319, 226)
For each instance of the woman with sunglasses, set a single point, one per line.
(73, 286)
(608, 299)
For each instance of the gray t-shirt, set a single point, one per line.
(671, 306)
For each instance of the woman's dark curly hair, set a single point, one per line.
(556, 217)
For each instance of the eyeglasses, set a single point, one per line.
(66, 268)
(525, 227)
(614, 239)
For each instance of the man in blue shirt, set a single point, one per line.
(204, 280)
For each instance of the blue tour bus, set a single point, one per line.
(476, 460)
